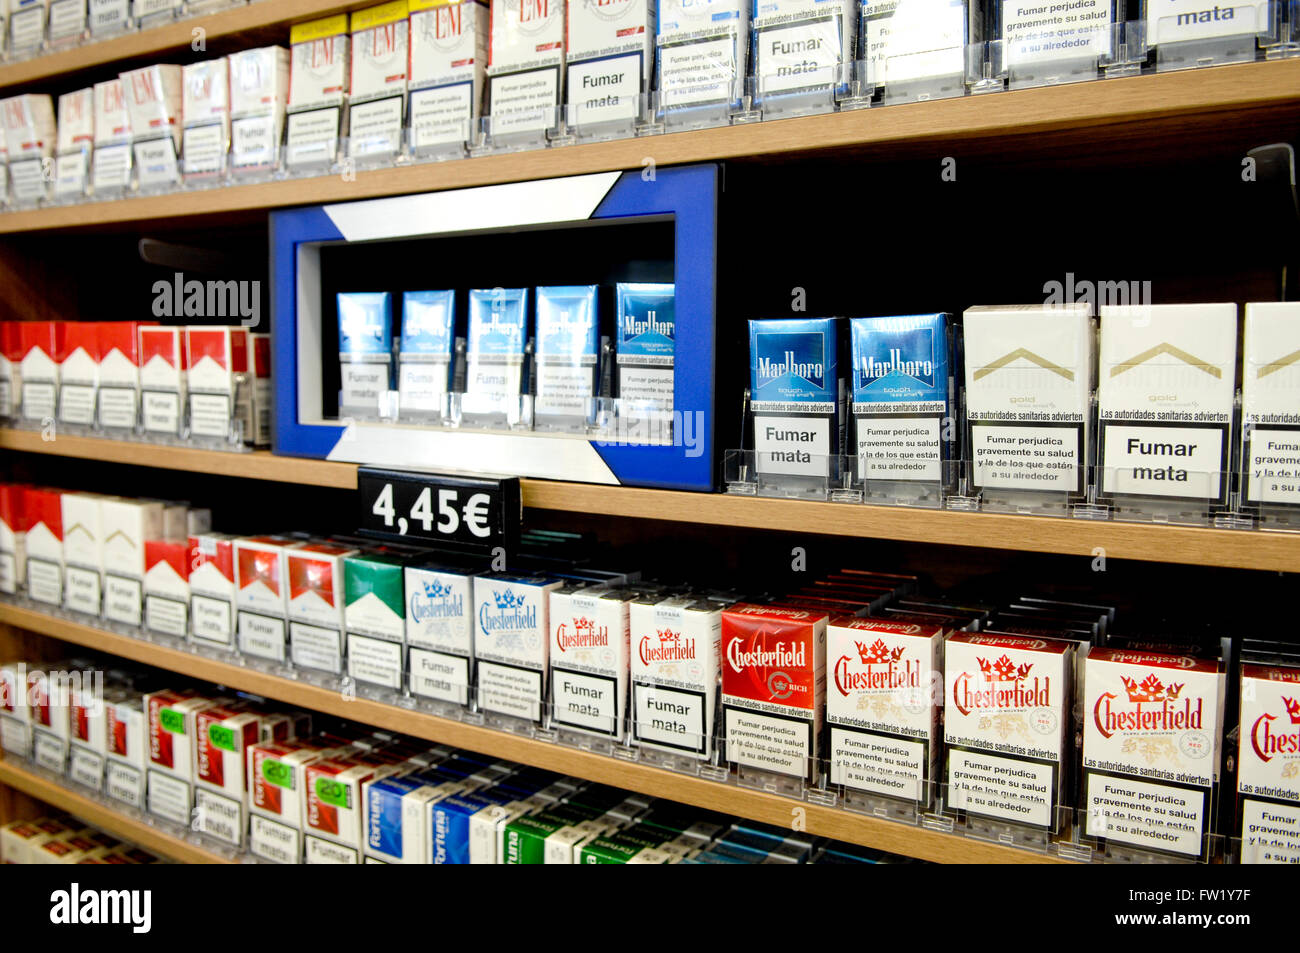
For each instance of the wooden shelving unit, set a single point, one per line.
(15, 775)
(1142, 112)
(770, 808)
(1150, 542)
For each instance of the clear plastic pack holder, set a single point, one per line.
(686, 101)
(598, 122)
(1269, 502)
(213, 418)
(256, 149)
(491, 411)
(519, 130)
(198, 7)
(108, 18)
(800, 787)
(1283, 38)
(519, 718)
(1022, 62)
(71, 176)
(112, 168)
(68, 24)
(1086, 844)
(30, 180)
(1128, 50)
(902, 810)
(442, 121)
(986, 816)
(1185, 41)
(1201, 500)
(700, 755)
(306, 151)
(26, 29)
(157, 164)
(922, 76)
(151, 13)
(200, 166)
(809, 93)
(384, 145)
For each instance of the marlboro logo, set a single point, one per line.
(258, 566)
(1162, 711)
(584, 634)
(1267, 743)
(1021, 353)
(1164, 347)
(1000, 684)
(311, 576)
(667, 646)
(882, 669)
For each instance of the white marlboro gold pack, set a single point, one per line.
(170, 725)
(126, 526)
(126, 743)
(1007, 706)
(218, 378)
(83, 554)
(1029, 372)
(1270, 403)
(44, 545)
(167, 587)
(211, 560)
(1268, 766)
(261, 578)
(589, 658)
(1165, 391)
(449, 54)
(1151, 727)
(883, 705)
(511, 641)
(773, 687)
(674, 672)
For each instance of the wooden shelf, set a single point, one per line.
(770, 808)
(1148, 542)
(1126, 116)
(170, 38)
(104, 817)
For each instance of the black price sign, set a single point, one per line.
(475, 512)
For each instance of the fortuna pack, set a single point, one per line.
(881, 706)
(276, 801)
(1268, 767)
(773, 687)
(1151, 726)
(1007, 704)
(170, 726)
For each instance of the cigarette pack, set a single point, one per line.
(211, 561)
(1007, 705)
(375, 617)
(333, 817)
(111, 166)
(163, 378)
(449, 54)
(15, 712)
(1270, 404)
(76, 138)
(17, 840)
(44, 545)
(1029, 372)
(11, 356)
(218, 381)
(703, 49)
(83, 555)
(259, 92)
(86, 733)
(380, 62)
(223, 738)
(398, 811)
(365, 350)
(79, 373)
(773, 687)
(425, 350)
(902, 387)
(1268, 780)
(205, 109)
(263, 396)
(794, 390)
(554, 836)
(167, 587)
(1165, 393)
(276, 802)
(14, 521)
(882, 706)
(1151, 749)
(909, 41)
(674, 670)
(153, 101)
(440, 632)
(315, 611)
(498, 335)
(646, 345)
(170, 720)
(609, 60)
(126, 741)
(526, 36)
(590, 631)
(42, 344)
(30, 130)
(126, 526)
(511, 638)
(261, 599)
(802, 46)
(567, 374)
(119, 374)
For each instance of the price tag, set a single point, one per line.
(478, 513)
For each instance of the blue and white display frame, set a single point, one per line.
(687, 194)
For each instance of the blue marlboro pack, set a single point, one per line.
(425, 350)
(646, 344)
(568, 351)
(901, 390)
(365, 348)
(794, 393)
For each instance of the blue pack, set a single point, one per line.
(428, 323)
(900, 360)
(365, 324)
(794, 362)
(498, 322)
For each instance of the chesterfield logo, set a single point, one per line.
(1169, 716)
(434, 600)
(779, 655)
(585, 635)
(671, 648)
(1266, 743)
(1000, 684)
(507, 600)
(882, 672)
(512, 613)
